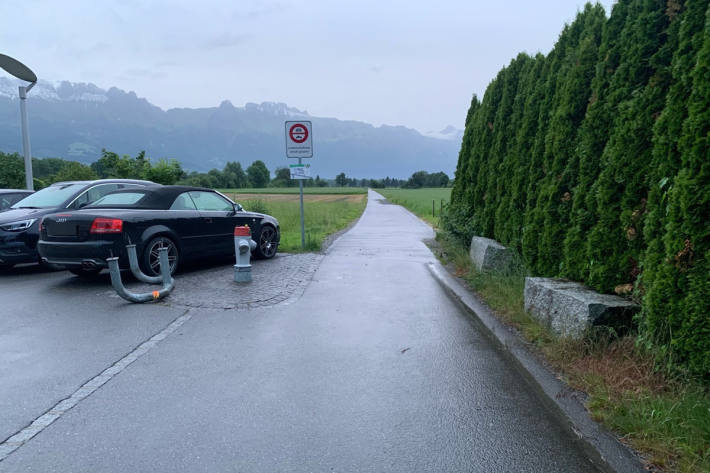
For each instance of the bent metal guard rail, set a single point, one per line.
(139, 275)
(168, 281)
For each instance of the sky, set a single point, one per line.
(413, 63)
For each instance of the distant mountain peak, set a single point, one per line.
(448, 133)
(77, 120)
(61, 90)
(275, 108)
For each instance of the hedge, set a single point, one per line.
(593, 162)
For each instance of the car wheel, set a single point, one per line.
(266, 245)
(86, 273)
(151, 256)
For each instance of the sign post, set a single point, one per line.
(299, 144)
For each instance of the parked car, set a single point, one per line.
(191, 222)
(19, 225)
(9, 197)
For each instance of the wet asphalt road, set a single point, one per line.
(373, 369)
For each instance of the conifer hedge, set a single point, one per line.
(593, 162)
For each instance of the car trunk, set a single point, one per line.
(67, 227)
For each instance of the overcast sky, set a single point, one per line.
(414, 63)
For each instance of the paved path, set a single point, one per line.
(374, 369)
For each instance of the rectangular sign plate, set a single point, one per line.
(299, 139)
(300, 171)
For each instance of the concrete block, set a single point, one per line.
(570, 308)
(489, 255)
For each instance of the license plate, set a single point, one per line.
(59, 229)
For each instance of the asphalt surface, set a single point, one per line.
(372, 369)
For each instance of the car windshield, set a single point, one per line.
(120, 198)
(52, 196)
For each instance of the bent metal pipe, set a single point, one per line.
(167, 280)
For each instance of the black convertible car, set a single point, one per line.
(19, 225)
(192, 222)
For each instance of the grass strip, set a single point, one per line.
(294, 190)
(420, 201)
(322, 219)
(662, 415)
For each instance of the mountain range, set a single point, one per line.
(76, 120)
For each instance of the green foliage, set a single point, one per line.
(164, 172)
(73, 171)
(341, 180)
(12, 171)
(257, 174)
(283, 178)
(592, 162)
(677, 301)
(423, 179)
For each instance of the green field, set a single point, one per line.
(294, 190)
(325, 214)
(420, 201)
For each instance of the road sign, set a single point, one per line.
(300, 171)
(299, 139)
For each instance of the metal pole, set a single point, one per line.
(303, 226)
(26, 137)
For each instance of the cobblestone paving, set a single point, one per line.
(278, 280)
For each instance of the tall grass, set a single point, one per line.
(322, 219)
(420, 201)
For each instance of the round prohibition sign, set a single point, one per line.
(298, 133)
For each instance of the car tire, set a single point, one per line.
(150, 263)
(86, 273)
(266, 244)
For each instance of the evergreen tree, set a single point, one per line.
(534, 218)
(592, 138)
(512, 217)
(614, 242)
(665, 165)
(679, 295)
(560, 160)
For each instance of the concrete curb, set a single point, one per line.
(603, 448)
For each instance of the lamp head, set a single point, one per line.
(17, 69)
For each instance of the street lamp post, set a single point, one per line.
(22, 72)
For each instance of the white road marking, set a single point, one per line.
(45, 420)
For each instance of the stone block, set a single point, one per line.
(570, 308)
(489, 255)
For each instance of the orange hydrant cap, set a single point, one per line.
(242, 231)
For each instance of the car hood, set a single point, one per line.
(13, 215)
(258, 215)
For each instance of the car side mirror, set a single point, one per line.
(238, 208)
(82, 205)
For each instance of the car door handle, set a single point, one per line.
(208, 219)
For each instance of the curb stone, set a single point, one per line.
(604, 448)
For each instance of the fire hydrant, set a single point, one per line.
(243, 245)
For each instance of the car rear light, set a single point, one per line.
(106, 225)
(41, 224)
